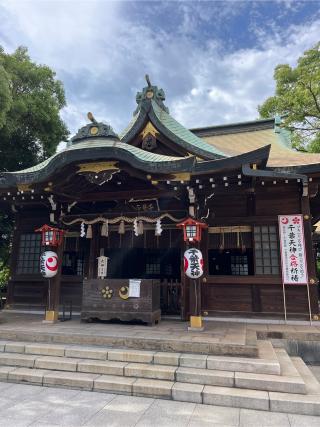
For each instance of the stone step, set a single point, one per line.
(308, 404)
(267, 365)
(240, 364)
(236, 397)
(15, 359)
(268, 382)
(165, 389)
(176, 344)
(205, 377)
(266, 350)
(311, 382)
(245, 380)
(287, 367)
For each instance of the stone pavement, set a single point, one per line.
(215, 332)
(28, 405)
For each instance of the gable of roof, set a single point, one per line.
(151, 107)
(240, 138)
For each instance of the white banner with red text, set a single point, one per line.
(293, 251)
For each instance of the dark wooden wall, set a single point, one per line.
(31, 290)
(263, 293)
(250, 294)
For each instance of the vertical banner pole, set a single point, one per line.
(284, 302)
(309, 304)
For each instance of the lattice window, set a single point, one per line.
(29, 254)
(239, 265)
(266, 243)
(153, 265)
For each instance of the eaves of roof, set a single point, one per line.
(98, 149)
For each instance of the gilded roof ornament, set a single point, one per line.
(94, 129)
(149, 93)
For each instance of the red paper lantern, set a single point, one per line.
(192, 229)
(50, 236)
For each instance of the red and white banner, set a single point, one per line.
(293, 252)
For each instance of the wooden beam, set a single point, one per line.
(128, 194)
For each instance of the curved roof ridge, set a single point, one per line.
(237, 127)
(100, 143)
(177, 129)
(98, 150)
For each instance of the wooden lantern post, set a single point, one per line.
(192, 231)
(52, 239)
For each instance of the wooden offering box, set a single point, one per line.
(107, 299)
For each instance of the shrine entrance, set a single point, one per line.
(162, 264)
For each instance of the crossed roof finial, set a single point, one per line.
(91, 117)
(148, 80)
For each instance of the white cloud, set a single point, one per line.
(229, 87)
(101, 53)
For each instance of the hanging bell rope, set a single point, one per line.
(105, 229)
(121, 229)
(89, 232)
(140, 228)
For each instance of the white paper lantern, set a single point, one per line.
(193, 263)
(49, 264)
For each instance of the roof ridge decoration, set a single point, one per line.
(150, 92)
(151, 107)
(94, 130)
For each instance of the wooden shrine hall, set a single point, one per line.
(122, 196)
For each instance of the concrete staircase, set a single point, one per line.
(272, 381)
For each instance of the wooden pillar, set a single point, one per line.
(185, 312)
(305, 210)
(13, 259)
(93, 252)
(52, 311)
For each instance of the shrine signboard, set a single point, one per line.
(293, 253)
(102, 266)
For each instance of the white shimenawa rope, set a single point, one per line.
(123, 218)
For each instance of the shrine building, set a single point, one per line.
(121, 196)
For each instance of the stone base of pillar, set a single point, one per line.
(196, 323)
(51, 316)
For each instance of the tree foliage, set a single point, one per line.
(30, 100)
(30, 125)
(297, 99)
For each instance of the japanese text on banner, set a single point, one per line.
(293, 257)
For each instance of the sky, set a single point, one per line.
(214, 59)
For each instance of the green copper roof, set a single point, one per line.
(98, 149)
(191, 140)
(131, 124)
(151, 107)
(145, 156)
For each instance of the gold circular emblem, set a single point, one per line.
(94, 130)
(124, 292)
(149, 94)
(107, 292)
